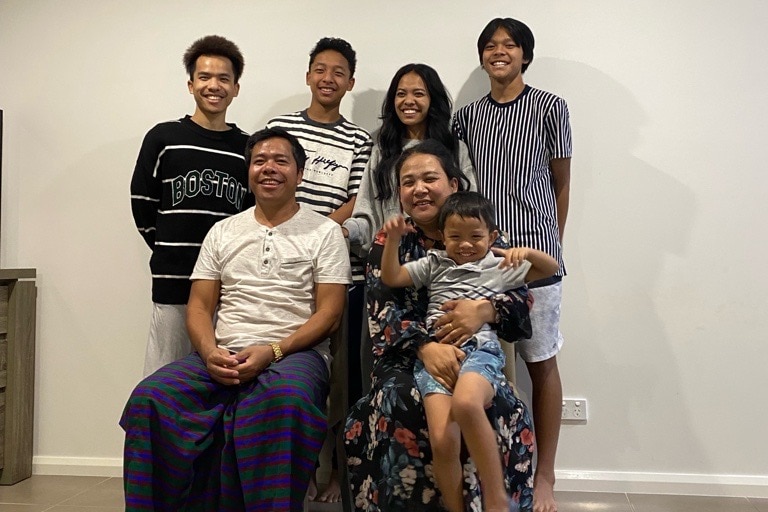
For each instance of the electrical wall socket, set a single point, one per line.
(574, 410)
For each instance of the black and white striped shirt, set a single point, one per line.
(337, 154)
(336, 157)
(511, 145)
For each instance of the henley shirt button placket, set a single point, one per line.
(267, 246)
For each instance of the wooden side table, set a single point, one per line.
(17, 373)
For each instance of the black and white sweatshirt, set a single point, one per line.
(186, 179)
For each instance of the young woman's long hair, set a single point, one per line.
(393, 131)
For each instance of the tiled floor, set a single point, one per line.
(92, 494)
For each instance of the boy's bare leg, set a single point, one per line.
(332, 492)
(547, 402)
(312, 490)
(445, 439)
(470, 395)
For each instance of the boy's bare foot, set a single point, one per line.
(332, 492)
(312, 489)
(543, 497)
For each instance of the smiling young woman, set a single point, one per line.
(417, 107)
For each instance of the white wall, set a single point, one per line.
(665, 303)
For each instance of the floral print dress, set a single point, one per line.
(386, 439)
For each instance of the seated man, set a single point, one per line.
(238, 424)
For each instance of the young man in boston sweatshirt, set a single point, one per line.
(190, 173)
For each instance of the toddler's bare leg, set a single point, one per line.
(445, 439)
(470, 395)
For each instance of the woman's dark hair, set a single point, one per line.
(434, 148)
(393, 131)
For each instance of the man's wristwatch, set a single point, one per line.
(276, 351)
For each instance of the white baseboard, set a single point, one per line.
(753, 486)
(77, 466)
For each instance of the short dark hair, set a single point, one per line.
(338, 45)
(217, 46)
(467, 204)
(517, 30)
(434, 148)
(270, 133)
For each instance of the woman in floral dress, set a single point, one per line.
(386, 438)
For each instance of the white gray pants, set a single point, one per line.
(168, 338)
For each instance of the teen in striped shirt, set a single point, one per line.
(519, 139)
(337, 153)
